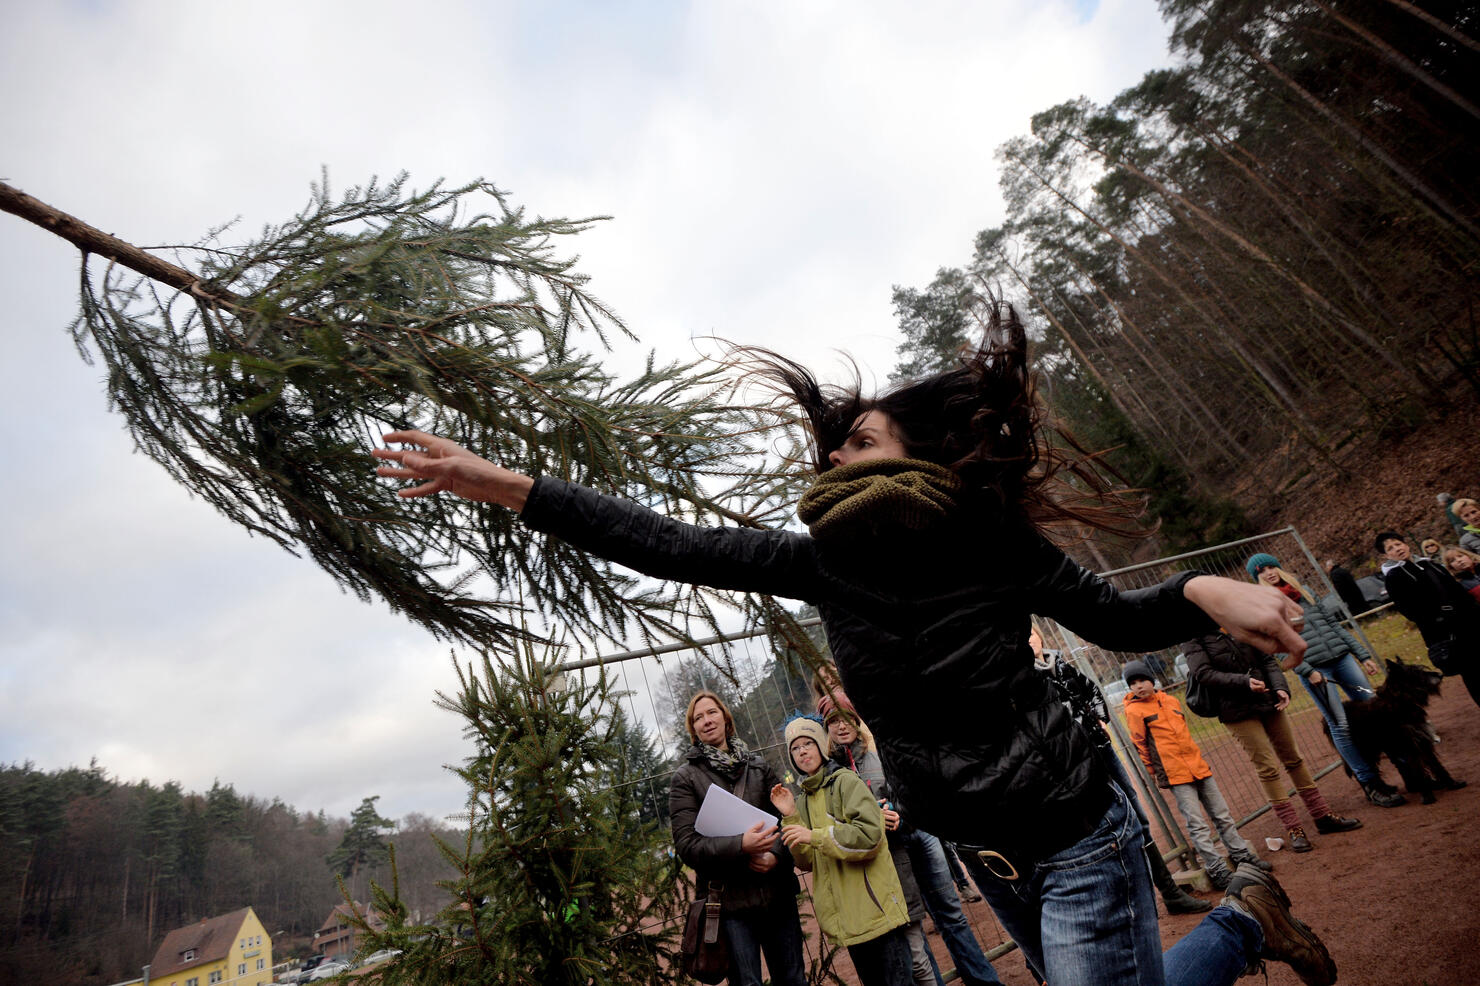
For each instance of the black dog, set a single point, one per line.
(1396, 722)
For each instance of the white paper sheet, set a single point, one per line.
(723, 814)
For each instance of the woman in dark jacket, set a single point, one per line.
(925, 561)
(1252, 693)
(752, 873)
(1331, 660)
(1446, 615)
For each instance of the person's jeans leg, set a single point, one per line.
(745, 947)
(1328, 701)
(781, 940)
(1096, 917)
(1212, 799)
(1198, 832)
(1217, 951)
(1017, 908)
(1098, 907)
(938, 890)
(1348, 673)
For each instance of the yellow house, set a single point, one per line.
(231, 950)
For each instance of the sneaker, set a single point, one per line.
(1247, 856)
(1389, 798)
(1327, 824)
(1286, 937)
(1297, 840)
(967, 893)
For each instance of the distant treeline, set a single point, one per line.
(94, 872)
(1262, 254)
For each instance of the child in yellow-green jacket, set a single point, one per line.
(837, 832)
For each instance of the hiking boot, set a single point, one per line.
(1247, 856)
(1383, 799)
(1181, 902)
(1327, 824)
(1177, 900)
(1218, 875)
(1297, 840)
(1286, 937)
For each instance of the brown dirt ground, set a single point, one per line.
(1391, 900)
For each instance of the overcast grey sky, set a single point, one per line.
(772, 168)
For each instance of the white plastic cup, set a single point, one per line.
(1273, 844)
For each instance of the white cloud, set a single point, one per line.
(772, 168)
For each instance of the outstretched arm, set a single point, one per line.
(1183, 607)
(776, 562)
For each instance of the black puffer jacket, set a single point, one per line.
(721, 859)
(930, 636)
(1433, 599)
(1224, 666)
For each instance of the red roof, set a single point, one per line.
(209, 940)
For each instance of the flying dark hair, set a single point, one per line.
(981, 419)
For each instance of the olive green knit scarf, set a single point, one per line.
(879, 495)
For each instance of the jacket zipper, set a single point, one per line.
(870, 888)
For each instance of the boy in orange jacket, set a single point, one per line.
(1159, 728)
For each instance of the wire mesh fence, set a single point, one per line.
(1231, 767)
(654, 685)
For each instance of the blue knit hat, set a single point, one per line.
(1261, 560)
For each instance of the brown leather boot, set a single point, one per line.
(1298, 840)
(1286, 938)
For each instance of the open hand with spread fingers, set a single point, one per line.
(446, 466)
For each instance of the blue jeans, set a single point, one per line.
(938, 890)
(778, 931)
(1087, 915)
(1348, 674)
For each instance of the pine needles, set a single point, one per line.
(262, 386)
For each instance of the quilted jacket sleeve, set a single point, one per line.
(1134, 619)
(779, 563)
(1200, 667)
(856, 833)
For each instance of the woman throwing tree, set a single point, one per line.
(925, 559)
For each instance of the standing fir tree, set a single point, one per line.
(363, 846)
(561, 882)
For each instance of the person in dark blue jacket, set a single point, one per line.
(925, 558)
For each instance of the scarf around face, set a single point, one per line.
(727, 763)
(879, 495)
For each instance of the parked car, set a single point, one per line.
(326, 970)
(384, 955)
(301, 974)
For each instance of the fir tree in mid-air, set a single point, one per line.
(261, 376)
(560, 880)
